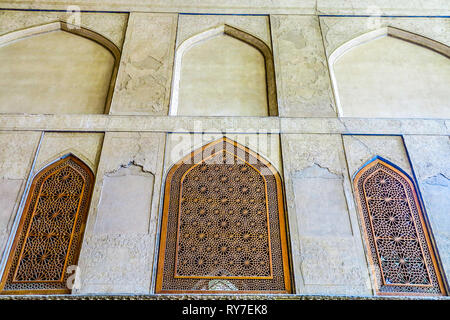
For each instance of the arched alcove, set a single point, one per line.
(56, 68)
(223, 226)
(391, 73)
(50, 231)
(398, 239)
(223, 72)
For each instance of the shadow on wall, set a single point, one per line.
(223, 72)
(56, 68)
(391, 73)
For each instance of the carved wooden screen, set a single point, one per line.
(223, 227)
(399, 245)
(50, 232)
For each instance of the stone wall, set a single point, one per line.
(326, 246)
(131, 148)
(119, 242)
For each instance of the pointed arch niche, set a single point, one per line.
(57, 68)
(223, 226)
(397, 236)
(391, 73)
(50, 231)
(223, 72)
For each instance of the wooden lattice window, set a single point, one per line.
(398, 242)
(223, 227)
(50, 231)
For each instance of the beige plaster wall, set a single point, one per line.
(303, 81)
(191, 25)
(315, 161)
(17, 151)
(360, 149)
(388, 77)
(112, 26)
(119, 243)
(382, 7)
(336, 31)
(216, 74)
(101, 123)
(85, 146)
(145, 71)
(181, 144)
(326, 247)
(400, 7)
(222, 76)
(55, 72)
(430, 157)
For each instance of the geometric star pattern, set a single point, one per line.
(223, 225)
(397, 237)
(50, 232)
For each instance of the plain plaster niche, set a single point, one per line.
(222, 76)
(125, 202)
(386, 77)
(54, 72)
(320, 203)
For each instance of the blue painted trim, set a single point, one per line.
(375, 16)
(413, 173)
(427, 222)
(235, 14)
(386, 161)
(421, 204)
(372, 134)
(221, 14)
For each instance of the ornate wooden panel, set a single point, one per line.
(398, 242)
(223, 225)
(49, 236)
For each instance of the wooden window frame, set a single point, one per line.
(21, 235)
(165, 234)
(416, 210)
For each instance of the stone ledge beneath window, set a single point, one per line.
(144, 123)
(214, 297)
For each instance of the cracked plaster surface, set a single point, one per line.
(327, 253)
(145, 72)
(360, 149)
(118, 257)
(304, 88)
(21, 147)
(430, 158)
